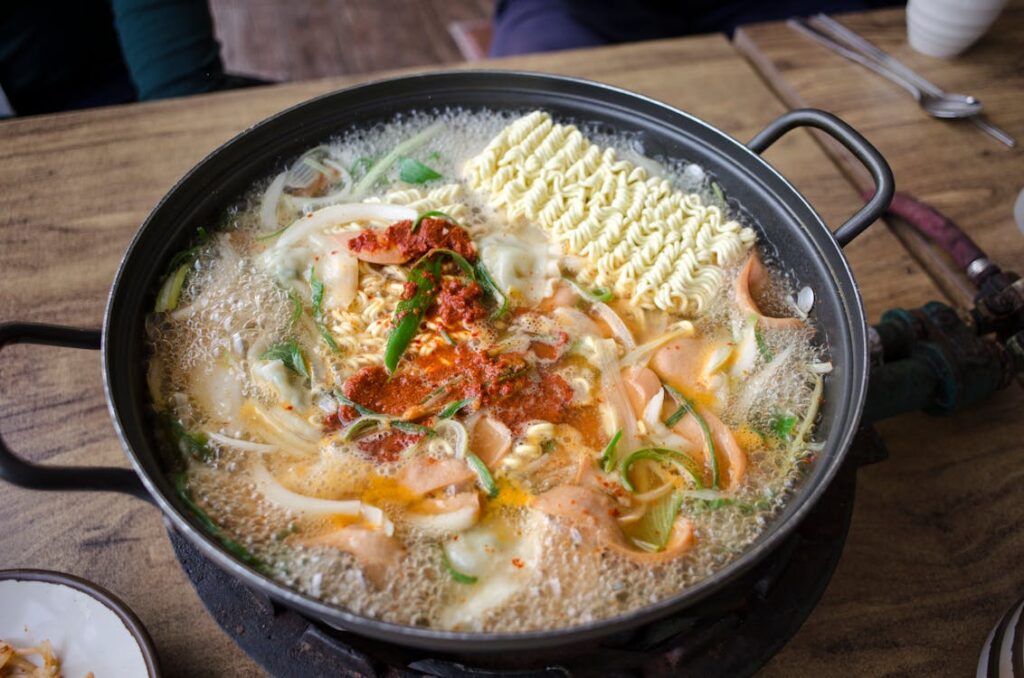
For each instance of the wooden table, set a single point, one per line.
(74, 187)
(936, 548)
(951, 165)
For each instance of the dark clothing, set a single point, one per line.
(65, 54)
(525, 26)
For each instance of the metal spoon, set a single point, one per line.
(933, 100)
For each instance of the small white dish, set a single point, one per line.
(89, 629)
(945, 28)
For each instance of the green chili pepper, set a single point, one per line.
(483, 474)
(401, 425)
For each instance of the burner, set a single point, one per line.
(733, 633)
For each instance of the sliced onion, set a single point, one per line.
(334, 215)
(288, 433)
(618, 328)
(271, 198)
(238, 444)
(656, 493)
(639, 356)
(652, 411)
(276, 493)
(452, 521)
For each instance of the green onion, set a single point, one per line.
(426, 275)
(453, 573)
(364, 425)
(458, 259)
(652, 531)
(170, 292)
(296, 307)
(189, 255)
(230, 545)
(663, 455)
(289, 353)
(270, 236)
(608, 455)
(601, 294)
(401, 425)
(762, 346)
(377, 170)
(193, 444)
(483, 474)
(415, 172)
(483, 276)
(431, 213)
(451, 409)
(686, 407)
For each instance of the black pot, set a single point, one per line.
(800, 239)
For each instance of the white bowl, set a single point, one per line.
(945, 28)
(89, 629)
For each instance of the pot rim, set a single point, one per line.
(453, 641)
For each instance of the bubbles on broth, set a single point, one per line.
(229, 304)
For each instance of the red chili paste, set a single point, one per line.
(431, 234)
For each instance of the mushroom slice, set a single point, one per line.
(750, 285)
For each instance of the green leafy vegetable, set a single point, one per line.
(431, 213)
(746, 508)
(188, 256)
(762, 346)
(453, 573)
(483, 475)
(290, 354)
(686, 407)
(316, 286)
(451, 409)
(608, 455)
(415, 172)
(717, 190)
(483, 276)
(664, 455)
(204, 520)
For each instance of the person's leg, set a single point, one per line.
(526, 26)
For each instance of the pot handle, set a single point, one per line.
(18, 471)
(868, 155)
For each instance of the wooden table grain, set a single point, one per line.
(930, 525)
(949, 164)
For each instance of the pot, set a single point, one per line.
(784, 219)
